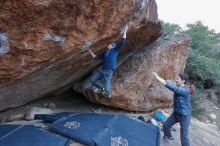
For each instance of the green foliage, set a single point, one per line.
(196, 108)
(202, 69)
(203, 63)
(203, 39)
(170, 28)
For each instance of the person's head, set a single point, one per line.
(192, 89)
(181, 79)
(158, 110)
(111, 45)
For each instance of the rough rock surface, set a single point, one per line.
(43, 42)
(133, 85)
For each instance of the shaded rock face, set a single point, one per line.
(133, 85)
(43, 43)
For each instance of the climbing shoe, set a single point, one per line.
(168, 137)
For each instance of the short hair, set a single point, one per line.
(184, 76)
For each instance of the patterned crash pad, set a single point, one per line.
(107, 130)
(125, 131)
(82, 127)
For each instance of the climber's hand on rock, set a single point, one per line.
(126, 28)
(90, 51)
(154, 73)
(125, 31)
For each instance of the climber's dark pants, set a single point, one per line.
(105, 74)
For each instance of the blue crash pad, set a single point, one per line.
(82, 127)
(125, 131)
(5, 129)
(28, 135)
(107, 130)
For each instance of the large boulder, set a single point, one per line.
(133, 85)
(43, 42)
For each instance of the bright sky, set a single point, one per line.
(183, 12)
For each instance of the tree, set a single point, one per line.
(203, 63)
(170, 28)
(203, 39)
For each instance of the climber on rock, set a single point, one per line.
(182, 108)
(108, 58)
